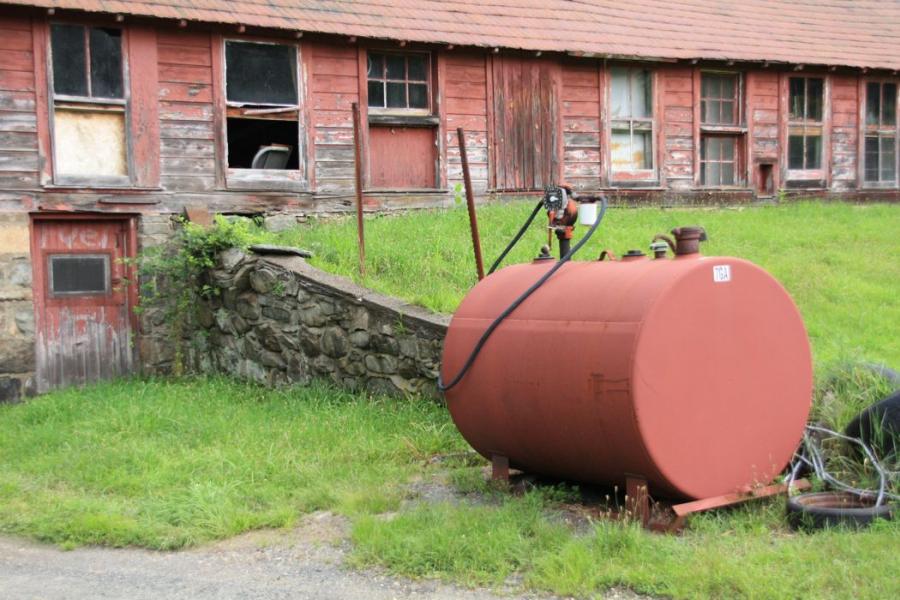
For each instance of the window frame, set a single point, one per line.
(121, 106)
(866, 130)
(237, 178)
(376, 111)
(635, 177)
(816, 178)
(737, 130)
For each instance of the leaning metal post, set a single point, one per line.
(357, 153)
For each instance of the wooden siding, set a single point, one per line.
(581, 102)
(19, 159)
(677, 139)
(466, 92)
(844, 131)
(186, 123)
(334, 88)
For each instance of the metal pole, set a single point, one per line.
(470, 202)
(357, 153)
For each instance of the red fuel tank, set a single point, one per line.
(693, 372)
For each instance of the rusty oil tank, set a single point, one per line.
(693, 372)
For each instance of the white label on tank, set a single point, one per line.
(722, 273)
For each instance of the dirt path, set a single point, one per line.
(306, 563)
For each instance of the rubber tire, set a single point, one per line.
(822, 509)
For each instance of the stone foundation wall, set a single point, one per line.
(281, 321)
(16, 310)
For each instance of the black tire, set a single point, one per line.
(832, 509)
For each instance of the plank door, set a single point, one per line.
(82, 317)
(526, 123)
(401, 158)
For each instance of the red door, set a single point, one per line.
(81, 299)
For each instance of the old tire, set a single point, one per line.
(832, 509)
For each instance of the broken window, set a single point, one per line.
(806, 99)
(263, 108)
(631, 120)
(721, 134)
(880, 160)
(399, 82)
(88, 102)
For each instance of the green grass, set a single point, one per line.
(839, 261)
(742, 553)
(170, 464)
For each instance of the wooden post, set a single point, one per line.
(470, 202)
(357, 153)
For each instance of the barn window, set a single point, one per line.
(880, 158)
(89, 104)
(721, 131)
(631, 120)
(263, 108)
(806, 101)
(399, 82)
(78, 274)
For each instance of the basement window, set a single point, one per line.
(263, 131)
(89, 105)
(631, 123)
(806, 100)
(880, 159)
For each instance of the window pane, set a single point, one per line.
(106, 63)
(815, 89)
(67, 47)
(376, 66)
(78, 274)
(418, 95)
(640, 94)
(643, 150)
(260, 73)
(873, 103)
(709, 85)
(871, 159)
(889, 107)
(418, 68)
(813, 152)
(888, 158)
(727, 173)
(618, 95)
(376, 94)
(795, 152)
(797, 98)
(728, 87)
(713, 174)
(396, 67)
(396, 95)
(728, 149)
(728, 113)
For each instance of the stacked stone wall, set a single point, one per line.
(280, 321)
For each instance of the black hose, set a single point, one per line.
(515, 304)
(518, 236)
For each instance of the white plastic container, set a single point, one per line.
(587, 213)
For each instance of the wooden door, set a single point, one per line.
(83, 322)
(401, 158)
(526, 123)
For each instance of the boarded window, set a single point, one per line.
(631, 120)
(880, 158)
(399, 81)
(806, 100)
(89, 107)
(78, 274)
(526, 123)
(263, 110)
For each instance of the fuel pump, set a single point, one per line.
(562, 214)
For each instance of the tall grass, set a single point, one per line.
(839, 261)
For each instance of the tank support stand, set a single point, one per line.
(499, 468)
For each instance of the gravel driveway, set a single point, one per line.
(303, 563)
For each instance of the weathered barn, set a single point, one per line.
(115, 115)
